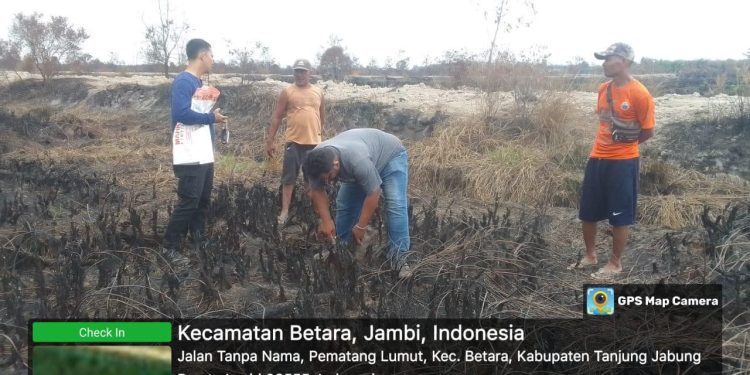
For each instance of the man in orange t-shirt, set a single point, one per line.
(610, 184)
(304, 108)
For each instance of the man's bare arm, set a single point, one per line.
(645, 135)
(368, 208)
(278, 114)
(321, 203)
(322, 113)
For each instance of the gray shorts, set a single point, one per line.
(294, 156)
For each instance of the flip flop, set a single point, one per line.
(579, 265)
(323, 255)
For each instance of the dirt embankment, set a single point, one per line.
(411, 106)
(135, 109)
(409, 112)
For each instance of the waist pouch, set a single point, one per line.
(622, 131)
(625, 131)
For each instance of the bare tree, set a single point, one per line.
(459, 64)
(81, 62)
(252, 59)
(114, 59)
(46, 44)
(506, 18)
(9, 59)
(334, 62)
(506, 15)
(114, 62)
(388, 63)
(335, 40)
(402, 65)
(372, 65)
(9, 55)
(163, 38)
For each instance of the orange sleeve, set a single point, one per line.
(644, 109)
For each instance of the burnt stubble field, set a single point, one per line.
(86, 189)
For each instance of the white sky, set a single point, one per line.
(666, 29)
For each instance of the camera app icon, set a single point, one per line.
(600, 301)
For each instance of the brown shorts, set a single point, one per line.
(294, 156)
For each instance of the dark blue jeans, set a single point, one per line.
(351, 198)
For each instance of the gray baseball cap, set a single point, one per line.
(302, 64)
(618, 49)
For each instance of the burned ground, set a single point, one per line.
(86, 189)
(717, 143)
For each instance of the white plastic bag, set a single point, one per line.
(191, 144)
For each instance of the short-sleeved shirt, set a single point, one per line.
(303, 114)
(632, 102)
(362, 155)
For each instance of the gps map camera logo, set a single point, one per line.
(600, 301)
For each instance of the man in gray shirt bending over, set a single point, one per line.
(369, 163)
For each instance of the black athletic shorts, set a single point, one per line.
(610, 191)
(294, 156)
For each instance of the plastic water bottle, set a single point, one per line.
(225, 133)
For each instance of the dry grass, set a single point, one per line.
(677, 211)
(471, 161)
(674, 197)
(515, 173)
(124, 143)
(553, 119)
(239, 168)
(542, 164)
(525, 156)
(658, 177)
